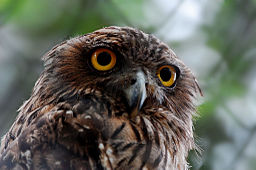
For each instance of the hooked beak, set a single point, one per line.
(136, 93)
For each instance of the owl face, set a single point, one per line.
(128, 65)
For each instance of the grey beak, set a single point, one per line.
(136, 93)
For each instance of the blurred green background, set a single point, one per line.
(216, 39)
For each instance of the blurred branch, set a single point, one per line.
(167, 18)
(77, 18)
(234, 117)
(241, 150)
(120, 13)
(234, 42)
(9, 8)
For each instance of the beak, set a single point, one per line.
(136, 93)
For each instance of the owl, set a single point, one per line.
(116, 98)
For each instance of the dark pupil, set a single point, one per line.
(165, 74)
(104, 58)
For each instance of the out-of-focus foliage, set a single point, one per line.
(217, 39)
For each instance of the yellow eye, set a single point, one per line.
(167, 75)
(103, 59)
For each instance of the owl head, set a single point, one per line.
(134, 68)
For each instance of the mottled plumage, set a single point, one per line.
(80, 118)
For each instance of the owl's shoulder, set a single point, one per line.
(44, 136)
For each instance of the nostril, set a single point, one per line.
(133, 81)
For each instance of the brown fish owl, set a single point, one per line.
(116, 98)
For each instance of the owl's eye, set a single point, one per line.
(167, 75)
(103, 59)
